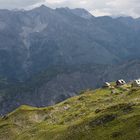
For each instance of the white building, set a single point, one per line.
(136, 83)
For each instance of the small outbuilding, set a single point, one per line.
(136, 83)
(120, 82)
(106, 85)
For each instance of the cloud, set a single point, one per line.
(96, 7)
(125, 7)
(11, 4)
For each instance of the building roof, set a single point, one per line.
(137, 81)
(121, 81)
(107, 83)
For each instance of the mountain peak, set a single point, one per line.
(78, 12)
(42, 8)
(82, 13)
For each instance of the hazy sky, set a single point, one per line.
(96, 7)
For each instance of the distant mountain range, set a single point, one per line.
(48, 55)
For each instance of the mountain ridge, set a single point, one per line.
(64, 31)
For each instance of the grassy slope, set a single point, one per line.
(94, 115)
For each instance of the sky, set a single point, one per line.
(96, 7)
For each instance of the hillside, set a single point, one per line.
(105, 114)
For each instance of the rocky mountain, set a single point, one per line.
(48, 55)
(32, 41)
(105, 113)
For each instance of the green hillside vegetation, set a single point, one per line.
(102, 114)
